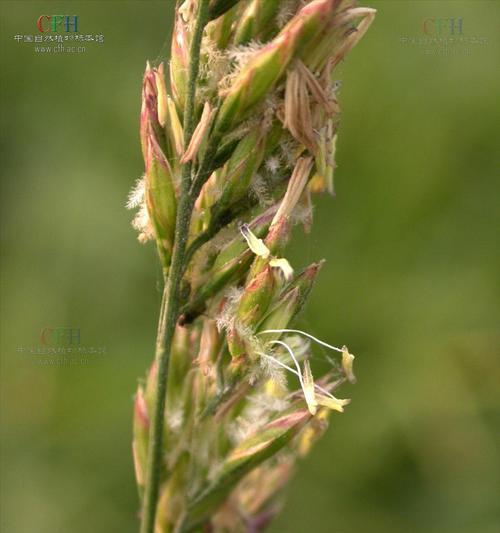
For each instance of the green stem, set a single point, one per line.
(170, 302)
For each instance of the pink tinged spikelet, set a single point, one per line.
(141, 435)
(269, 65)
(179, 61)
(199, 134)
(159, 192)
(160, 196)
(260, 288)
(174, 130)
(162, 95)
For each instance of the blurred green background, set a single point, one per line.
(411, 283)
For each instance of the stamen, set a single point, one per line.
(293, 371)
(255, 244)
(298, 372)
(308, 335)
(309, 388)
(284, 266)
(278, 362)
(347, 362)
(292, 355)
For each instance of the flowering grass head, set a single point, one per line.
(233, 149)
